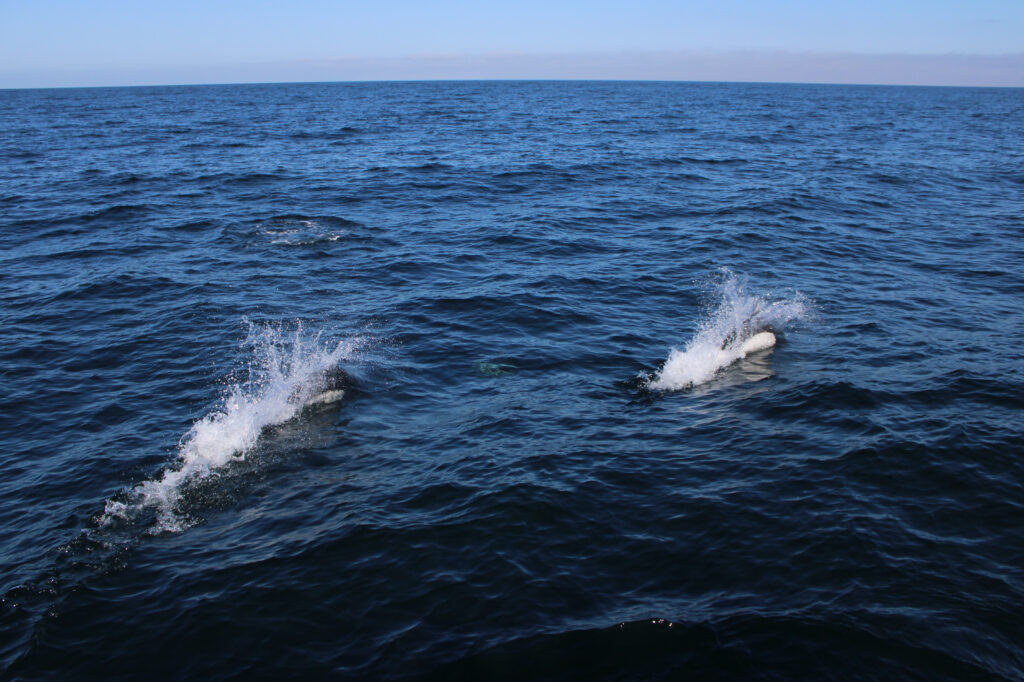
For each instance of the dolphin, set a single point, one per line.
(759, 341)
(752, 336)
(329, 386)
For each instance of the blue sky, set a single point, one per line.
(98, 42)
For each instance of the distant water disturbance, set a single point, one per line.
(512, 381)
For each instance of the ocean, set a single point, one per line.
(554, 456)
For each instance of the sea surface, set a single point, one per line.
(553, 458)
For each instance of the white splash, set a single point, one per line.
(299, 232)
(287, 372)
(741, 324)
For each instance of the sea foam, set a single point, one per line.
(725, 334)
(286, 371)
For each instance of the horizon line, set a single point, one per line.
(735, 66)
(506, 80)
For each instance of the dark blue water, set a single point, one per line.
(553, 458)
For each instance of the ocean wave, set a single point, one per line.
(739, 646)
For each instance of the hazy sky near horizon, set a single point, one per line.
(99, 39)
